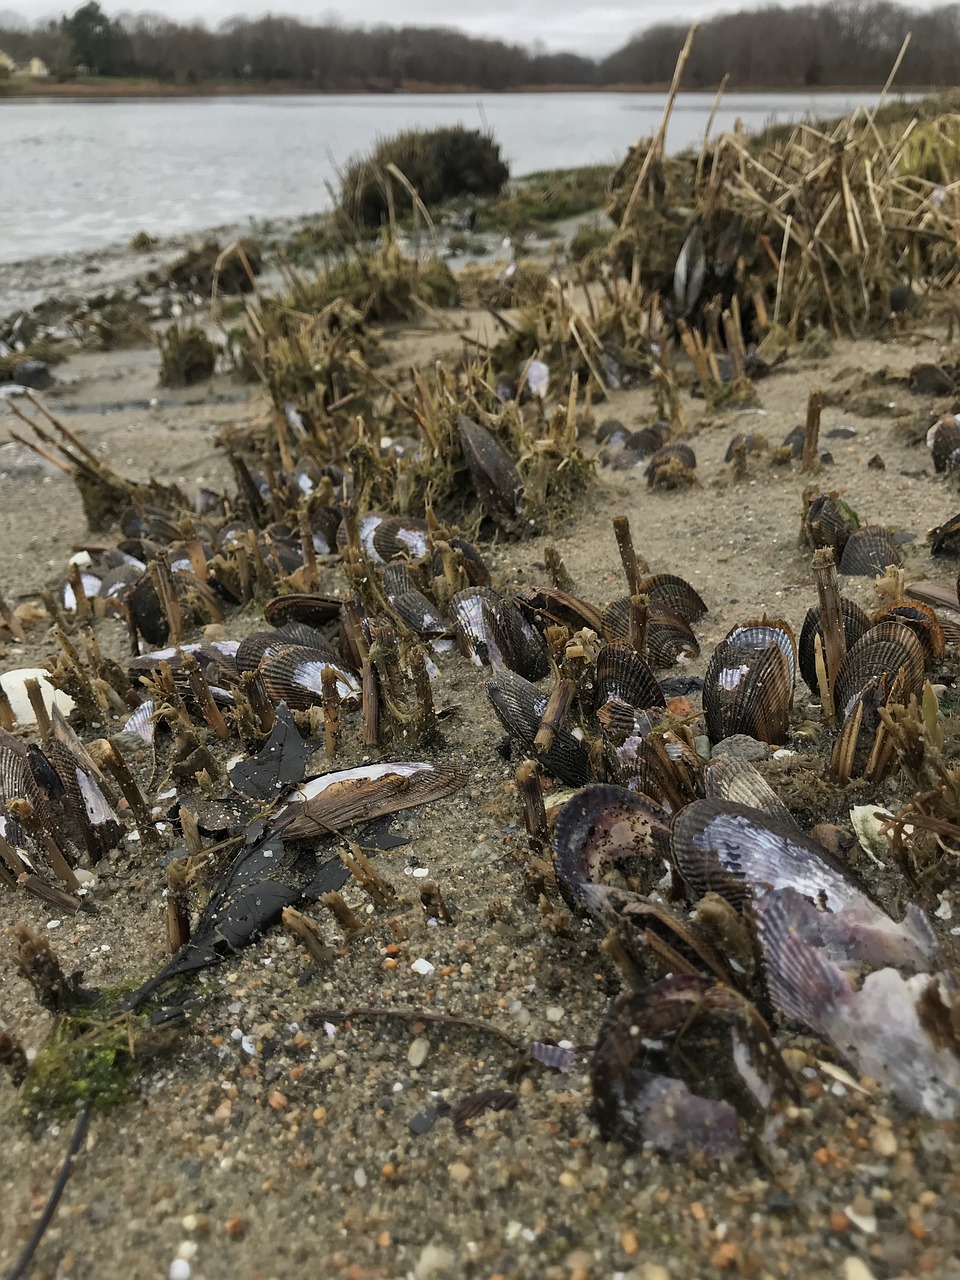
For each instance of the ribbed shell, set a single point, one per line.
(828, 524)
(669, 638)
(497, 480)
(751, 442)
(946, 540)
(397, 579)
(519, 706)
(856, 623)
(758, 634)
(747, 690)
(253, 647)
(672, 596)
(943, 441)
(645, 442)
(420, 614)
(523, 647)
(733, 850)
(924, 624)
(294, 675)
(603, 826)
(558, 607)
(623, 676)
(728, 778)
(931, 380)
(869, 551)
(473, 624)
(313, 610)
(670, 453)
(882, 651)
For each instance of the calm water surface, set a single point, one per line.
(82, 175)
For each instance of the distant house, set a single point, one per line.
(7, 64)
(36, 68)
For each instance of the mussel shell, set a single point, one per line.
(522, 646)
(622, 675)
(727, 848)
(604, 826)
(943, 441)
(119, 582)
(668, 454)
(478, 575)
(727, 778)
(147, 611)
(420, 614)
(497, 480)
(945, 541)
(294, 675)
(659, 940)
(673, 596)
(611, 429)
(645, 442)
(397, 579)
(557, 607)
(827, 524)
(757, 634)
(669, 639)
(794, 441)
(308, 638)
(312, 610)
(747, 691)
(747, 441)
(855, 624)
(868, 552)
(253, 647)
(473, 624)
(519, 706)
(932, 380)
(924, 624)
(882, 651)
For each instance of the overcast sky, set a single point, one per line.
(576, 25)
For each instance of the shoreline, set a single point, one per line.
(83, 90)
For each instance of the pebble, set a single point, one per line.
(423, 967)
(459, 1171)
(741, 747)
(883, 1141)
(434, 1260)
(179, 1269)
(417, 1053)
(360, 1176)
(855, 1269)
(553, 1013)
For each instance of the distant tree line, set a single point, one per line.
(853, 42)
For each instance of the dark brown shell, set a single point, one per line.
(750, 442)
(382, 538)
(882, 651)
(611, 429)
(523, 647)
(252, 648)
(420, 614)
(673, 596)
(519, 706)
(557, 607)
(728, 778)
(662, 767)
(497, 480)
(645, 442)
(932, 380)
(944, 541)
(748, 689)
(668, 640)
(473, 624)
(828, 525)
(855, 624)
(943, 441)
(924, 624)
(794, 440)
(294, 675)
(667, 457)
(314, 610)
(623, 676)
(308, 638)
(602, 827)
(868, 552)
(397, 579)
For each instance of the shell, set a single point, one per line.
(882, 651)
(519, 706)
(308, 638)
(924, 624)
(667, 456)
(473, 625)
(749, 441)
(522, 646)
(943, 441)
(794, 441)
(611, 431)
(294, 675)
(382, 538)
(945, 541)
(648, 440)
(478, 575)
(603, 826)
(663, 768)
(829, 523)
(747, 689)
(497, 480)
(252, 648)
(557, 607)
(672, 596)
(736, 851)
(624, 677)
(688, 274)
(669, 640)
(313, 610)
(868, 552)
(728, 778)
(420, 614)
(397, 579)
(855, 624)
(932, 380)
(759, 634)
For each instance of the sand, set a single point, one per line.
(274, 1141)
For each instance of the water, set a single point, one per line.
(81, 175)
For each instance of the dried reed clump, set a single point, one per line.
(437, 164)
(187, 356)
(504, 284)
(822, 219)
(233, 269)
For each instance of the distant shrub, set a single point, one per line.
(440, 164)
(587, 240)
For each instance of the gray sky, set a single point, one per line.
(576, 25)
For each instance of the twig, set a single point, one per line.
(22, 1265)
(420, 1015)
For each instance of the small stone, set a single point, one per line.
(434, 1260)
(360, 1176)
(629, 1242)
(654, 1271)
(553, 1013)
(179, 1269)
(883, 1141)
(277, 1101)
(423, 1121)
(459, 1171)
(423, 967)
(568, 1180)
(235, 1226)
(855, 1269)
(417, 1053)
(740, 746)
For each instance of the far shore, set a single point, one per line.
(117, 87)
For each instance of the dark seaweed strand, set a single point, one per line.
(22, 1266)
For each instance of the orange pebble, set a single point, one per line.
(697, 1211)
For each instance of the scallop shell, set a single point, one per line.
(670, 639)
(730, 849)
(604, 826)
(943, 441)
(519, 706)
(931, 380)
(672, 596)
(924, 624)
(882, 651)
(313, 610)
(747, 689)
(624, 677)
(497, 480)
(294, 675)
(829, 523)
(868, 552)
(855, 624)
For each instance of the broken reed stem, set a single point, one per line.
(558, 570)
(331, 711)
(811, 434)
(639, 617)
(8, 720)
(308, 551)
(433, 903)
(195, 552)
(380, 891)
(107, 755)
(23, 812)
(191, 831)
(419, 1015)
(781, 267)
(831, 613)
(201, 691)
(81, 607)
(11, 621)
(253, 686)
(534, 812)
(371, 704)
(39, 707)
(633, 565)
(308, 931)
(558, 704)
(345, 918)
(163, 583)
(178, 908)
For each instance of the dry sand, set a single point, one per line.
(296, 1158)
